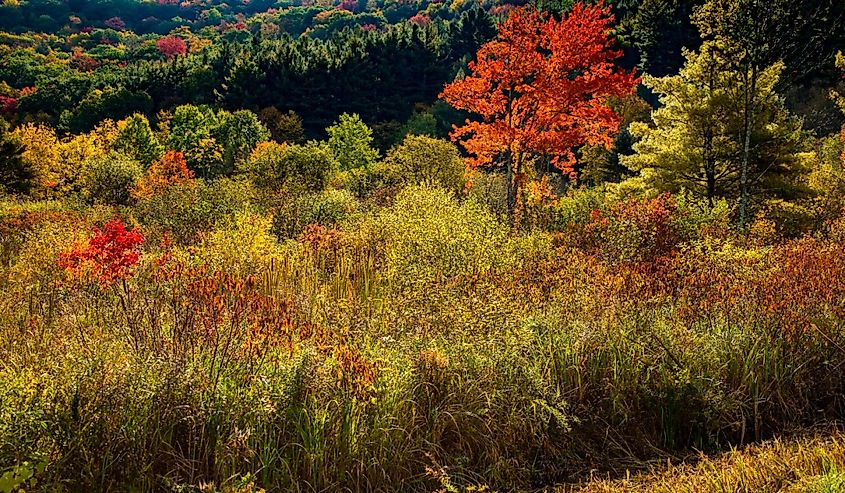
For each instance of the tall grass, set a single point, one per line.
(342, 361)
(800, 465)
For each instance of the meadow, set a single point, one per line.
(409, 346)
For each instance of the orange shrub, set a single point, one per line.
(171, 169)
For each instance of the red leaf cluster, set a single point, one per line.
(421, 20)
(171, 46)
(8, 105)
(83, 62)
(634, 230)
(107, 257)
(798, 286)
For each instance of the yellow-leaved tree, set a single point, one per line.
(42, 154)
(82, 148)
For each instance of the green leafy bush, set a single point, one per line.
(109, 179)
(275, 166)
(351, 142)
(422, 160)
(293, 210)
(190, 209)
(136, 139)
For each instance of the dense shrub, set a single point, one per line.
(109, 179)
(695, 219)
(262, 165)
(421, 160)
(190, 209)
(276, 166)
(634, 230)
(363, 182)
(239, 246)
(31, 243)
(294, 210)
(428, 235)
(574, 210)
(110, 255)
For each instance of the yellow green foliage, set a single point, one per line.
(36, 261)
(429, 236)
(241, 247)
(695, 138)
(110, 179)
(423, 160)
(302, 167)
(43, 154)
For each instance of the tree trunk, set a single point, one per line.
(750, 93)
(711, 189)
(753, 61)
(509, 174)
(709, 165)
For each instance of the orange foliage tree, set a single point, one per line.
(540, 89)
(171, 169)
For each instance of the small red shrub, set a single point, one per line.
(109, 256)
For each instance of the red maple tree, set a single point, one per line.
(541, 89)
(171, 46)
(8, 105)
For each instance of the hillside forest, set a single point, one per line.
(422, 246)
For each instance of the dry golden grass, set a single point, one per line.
(809, 465)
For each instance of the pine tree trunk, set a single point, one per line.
(750, 92)
(750, 97)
